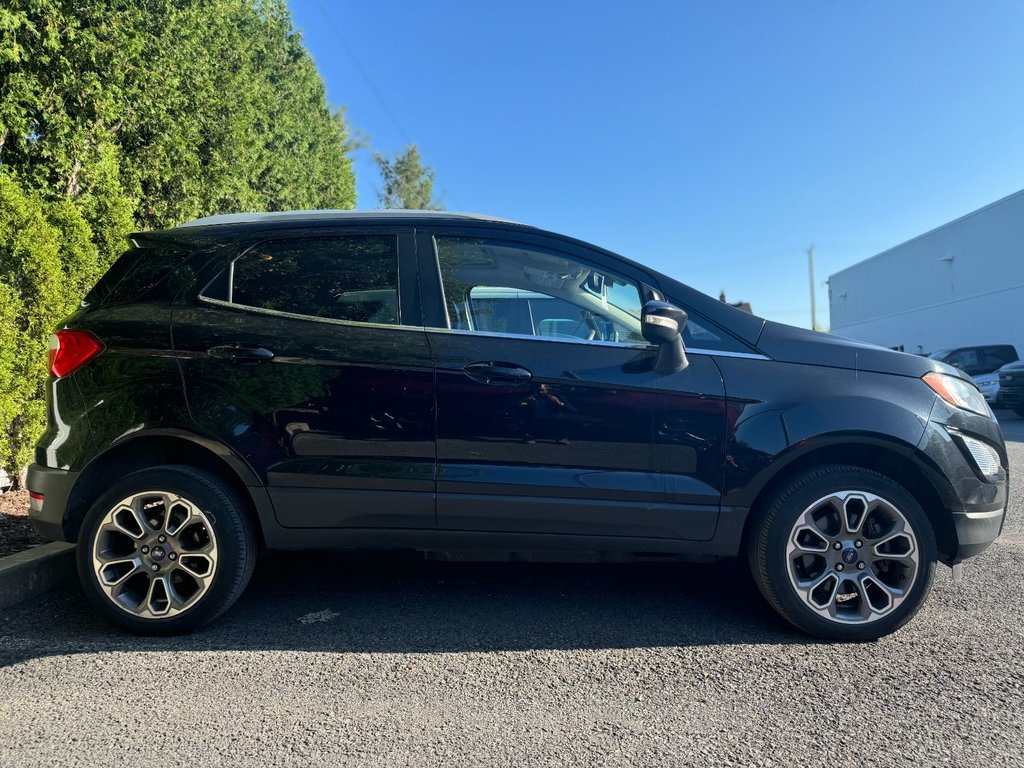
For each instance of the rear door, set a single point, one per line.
(303, 351)
(550, 418)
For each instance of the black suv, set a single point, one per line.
(1011, 387)
(460, 384)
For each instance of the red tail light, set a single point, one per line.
(70, 350)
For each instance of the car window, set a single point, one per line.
(964, 359)
(502, 287)
(353, 278)
(1000, 356)
(134, 274)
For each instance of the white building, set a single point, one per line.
(959, 285)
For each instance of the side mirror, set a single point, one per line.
(662, 323)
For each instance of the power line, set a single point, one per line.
(365, 75)
(369, 81)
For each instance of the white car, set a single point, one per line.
(988, 383)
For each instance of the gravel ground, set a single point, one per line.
(388, 660)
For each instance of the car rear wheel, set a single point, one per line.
(844, 553)
(165, 550)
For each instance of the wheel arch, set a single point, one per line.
(157, 448)
(895, 460)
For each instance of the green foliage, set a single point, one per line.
(117, 115)
(407, 183)
(47, 261)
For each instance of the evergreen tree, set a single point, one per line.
(406, 182)
(117, 115)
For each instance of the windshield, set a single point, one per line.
(942, 353)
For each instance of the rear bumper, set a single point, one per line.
(54, 485)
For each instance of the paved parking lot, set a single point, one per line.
(391, 661)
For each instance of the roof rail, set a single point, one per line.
(249, 218)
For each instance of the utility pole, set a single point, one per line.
(810, 272)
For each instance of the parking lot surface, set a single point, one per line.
(388, 660)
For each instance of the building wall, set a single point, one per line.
(961, 284)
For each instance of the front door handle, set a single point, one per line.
(497, 373)
(240, 353)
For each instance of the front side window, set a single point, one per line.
(351, 277)
(965, 359)
(503, 287)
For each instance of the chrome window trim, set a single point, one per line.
(724, 353)
(499, 335)
(592, 342)
(312, 318)
(462, 332)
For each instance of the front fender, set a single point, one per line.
(771, 441)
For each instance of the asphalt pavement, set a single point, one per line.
(388, 660)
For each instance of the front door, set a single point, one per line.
(550, 418)
(302, 353)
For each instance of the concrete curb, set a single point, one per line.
(27, 574)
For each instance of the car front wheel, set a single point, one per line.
(165, 550)
(844, 553)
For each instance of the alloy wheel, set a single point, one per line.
(155, 554)
(852, 557)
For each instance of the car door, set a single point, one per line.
(302, 351)
(550, 418)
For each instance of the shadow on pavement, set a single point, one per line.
(395, 603)
(388, 603)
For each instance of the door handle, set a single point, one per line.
(241, 354)
(497, 373)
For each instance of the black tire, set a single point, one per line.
(233, 534)
(767, 551)
(1019, 410)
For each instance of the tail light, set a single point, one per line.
(71, 349)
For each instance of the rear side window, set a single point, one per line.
(351, 277)
(999, 356)
(136, 273)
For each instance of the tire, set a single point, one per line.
(864, 590)
(165, 550)
(1019, 410)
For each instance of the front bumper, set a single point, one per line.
(976, 502)
(975, 531)
(54, 485)
(1011, 397)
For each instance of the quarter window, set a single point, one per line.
(353, 278)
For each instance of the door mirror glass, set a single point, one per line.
(662, 323)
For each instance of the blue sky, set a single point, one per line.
(713, 141)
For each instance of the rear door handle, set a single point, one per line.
(497, 373)
(240, 353)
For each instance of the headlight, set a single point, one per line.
(958, 392)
